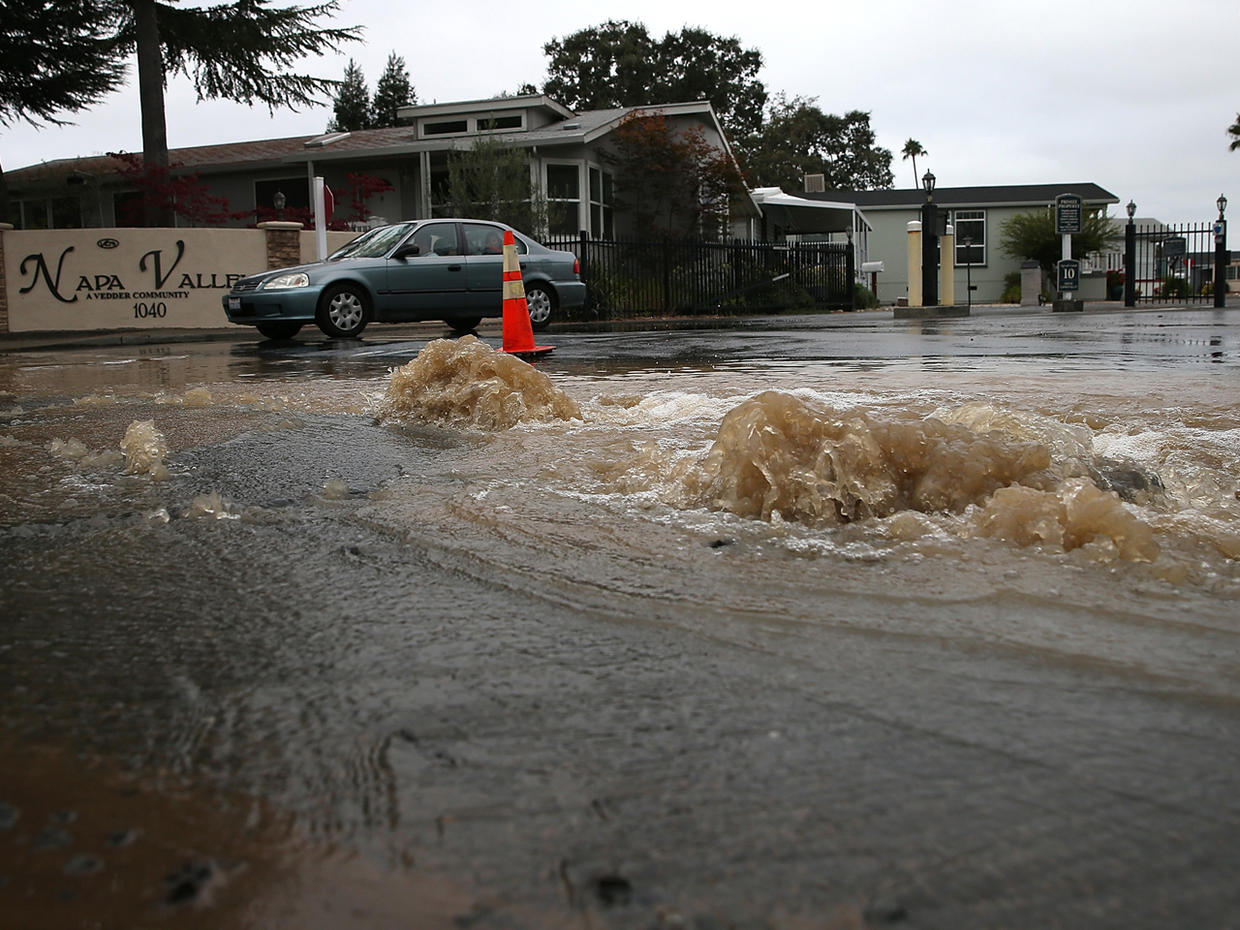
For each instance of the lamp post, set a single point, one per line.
(967, 242)
(929, 245)
(1130, 258)
(279, 200)
(1220, 254)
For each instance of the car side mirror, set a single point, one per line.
(407, 250)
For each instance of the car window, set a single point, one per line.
(483, 240)
(437, 239)
(372, 244)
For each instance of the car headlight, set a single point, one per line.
(297, 279)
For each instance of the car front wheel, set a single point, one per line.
(344, 310)
(541, 301)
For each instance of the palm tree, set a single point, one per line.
(912, 148)
(1234, 131)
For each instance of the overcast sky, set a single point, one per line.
(1135, 95)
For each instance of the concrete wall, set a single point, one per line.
(90, 279)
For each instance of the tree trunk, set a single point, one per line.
(151, 97)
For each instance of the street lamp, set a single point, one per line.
(1220, 254)
(967, 241)
(929, 245)
(279, 200)
(1130, 257)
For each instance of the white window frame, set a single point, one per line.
(582, 190)
(970, 216)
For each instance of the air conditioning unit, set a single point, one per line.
(815, 183)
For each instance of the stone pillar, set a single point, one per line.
(283, 243)
(1030, 283)
(914, 263)
(4, 281)
(947, 268)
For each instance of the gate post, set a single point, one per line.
(1220, 255)
(914, 263)
(1130, 260)
(850, 272)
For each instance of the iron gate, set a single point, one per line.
(1174, 263)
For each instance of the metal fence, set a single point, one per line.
(630, 277)
(1174, 263)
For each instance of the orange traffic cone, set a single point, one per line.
(518, 333)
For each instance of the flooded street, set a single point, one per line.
(816, 622)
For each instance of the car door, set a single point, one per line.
(431, 283)
(484, 247)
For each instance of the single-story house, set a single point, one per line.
(566, 151)
(976, 213)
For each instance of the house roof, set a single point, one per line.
(1007, 195)
(569, 129)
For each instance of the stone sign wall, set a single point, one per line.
(91, 279)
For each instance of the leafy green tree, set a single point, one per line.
(618, 64)
(1234, 131)
(491, 181)
(56, 56)
(242, 51)
(797, 139)
(912, 148)
(352, 104)
(672, 182)
(393, 91)
(1032, 235)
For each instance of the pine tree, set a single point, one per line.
(352, 104)
(391, 93)
(242, 51)
(56, 56)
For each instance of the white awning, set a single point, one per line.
(800, 216)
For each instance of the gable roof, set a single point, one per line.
(567, 128)
(1007, 195)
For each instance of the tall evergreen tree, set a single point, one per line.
(618, 64)
(352, 105)
(393, 91)
(56, 56)
(799, 139)
(242, 51)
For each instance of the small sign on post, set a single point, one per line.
(1067, 214)
(1069, 276)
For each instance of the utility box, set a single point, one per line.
(1030, 283)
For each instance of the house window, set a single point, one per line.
(563, 199)
(492, 123)
(441, 184)
(970, 224)
(296, 193)
(445, 128)
(602, 224)
(127, 208)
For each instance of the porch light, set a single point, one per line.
(1221, 203)
(1132, 210)
(927, 181)
(279, 200)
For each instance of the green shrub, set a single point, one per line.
(1173, 287)
(1011, 288)
(865, 298)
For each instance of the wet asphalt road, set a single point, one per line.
(613, 752)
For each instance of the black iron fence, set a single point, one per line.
(631, 277)
(1173, 263)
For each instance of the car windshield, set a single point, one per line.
(376, 243)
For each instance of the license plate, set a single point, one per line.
(234, 303)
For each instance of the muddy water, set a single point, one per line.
(835, 622)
